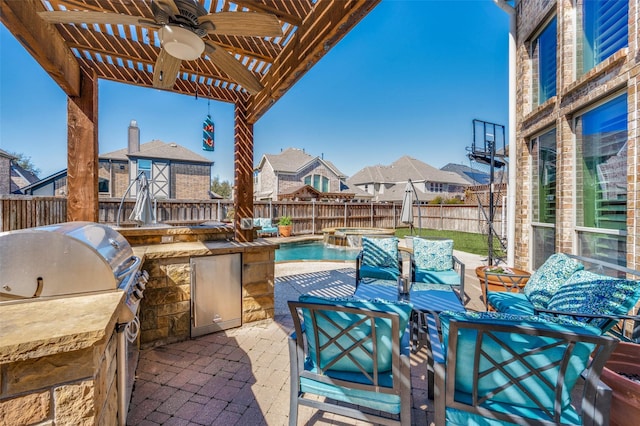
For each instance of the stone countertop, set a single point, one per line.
(41, 327)
(199, 248)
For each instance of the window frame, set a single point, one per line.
(534, 53)
(537, 227)
(582, 230)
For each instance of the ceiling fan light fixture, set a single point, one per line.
(180, 42)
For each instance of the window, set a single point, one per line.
(601, 180)
(543, 196)
(145, 166)
(544, 49)
(605, 30)
(319, 182)
(436, 187)
(103, 185)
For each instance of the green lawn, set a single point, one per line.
(463, 241)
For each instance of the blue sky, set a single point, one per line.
(407, 80)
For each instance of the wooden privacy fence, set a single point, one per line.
(25, 211)
(20, 212)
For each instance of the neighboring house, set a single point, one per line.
(472, 176)
(295, 175)
(388, 183)
(174, 172)
(13, 177)
(577, 142)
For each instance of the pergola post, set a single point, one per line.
(243, 171)
(82, 151)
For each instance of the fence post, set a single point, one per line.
(345, 214)
(313, 216)
(371, 214)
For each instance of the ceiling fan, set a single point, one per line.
(181, 26)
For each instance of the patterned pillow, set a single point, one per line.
(544, 282)
(380, 252)
(589, 293)
(433, 255)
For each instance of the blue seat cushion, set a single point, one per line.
(379, 272)
(376, 400)
(455, 417)
(338, 321)
(380, 252)
(450, 277)
(590, 293)
(510, 303)
(433, 255)
(521, 344)
(544, 282)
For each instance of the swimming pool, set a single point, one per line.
(313, 250)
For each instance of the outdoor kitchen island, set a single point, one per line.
(166, 311)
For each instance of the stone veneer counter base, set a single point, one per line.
(58, 360)
(165, 310)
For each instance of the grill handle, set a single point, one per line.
(134, 266)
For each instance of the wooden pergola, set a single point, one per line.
(77, 55)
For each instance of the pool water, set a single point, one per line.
(313, 250)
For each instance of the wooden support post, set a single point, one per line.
(243, 170)
(82, 151)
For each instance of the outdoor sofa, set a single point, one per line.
(590, 290)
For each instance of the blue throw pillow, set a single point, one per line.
(338, 321)
(589, 293)
(380, 252)
(521, 344)
(433, 255)
(544, 282)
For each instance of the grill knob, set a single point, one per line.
(136, 294)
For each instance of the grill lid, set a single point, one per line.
(62, 259)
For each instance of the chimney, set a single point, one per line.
(134, 137)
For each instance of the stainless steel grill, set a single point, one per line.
(75, 258)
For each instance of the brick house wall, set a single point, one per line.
(5, 175)
(187, 180)
(575, 93)
(267, 181)
(190, 181)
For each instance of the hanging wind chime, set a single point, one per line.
(208, 130)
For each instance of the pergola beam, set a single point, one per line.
(321, 30)
(43, 42)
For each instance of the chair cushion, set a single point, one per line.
(510, 303)
(380, 252)
(433, 255)
(339, 321)
(380, 273)
(590, 293)
(521, 344)
(544, 282)
(376, 400)
(450, 277)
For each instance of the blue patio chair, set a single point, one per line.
(352, 351)
(433, 262)
(493, 369)
(379, 259)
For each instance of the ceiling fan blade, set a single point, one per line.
(165, 71)
(85, 17)
(168, 5)
(242, 24)
(232, 67)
